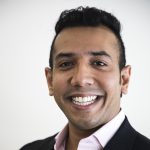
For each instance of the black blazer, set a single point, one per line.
(126, 138)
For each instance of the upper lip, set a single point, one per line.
(84, 94)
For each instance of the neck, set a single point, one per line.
(75, 135)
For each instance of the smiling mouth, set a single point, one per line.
(84, 101)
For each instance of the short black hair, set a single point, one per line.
(89, 17)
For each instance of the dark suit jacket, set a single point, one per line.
(126, 138)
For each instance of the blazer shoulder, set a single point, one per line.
(44, 144)
(141, 142)
(127, 138)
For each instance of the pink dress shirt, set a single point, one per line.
(96, 141)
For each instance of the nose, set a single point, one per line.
(82, 76)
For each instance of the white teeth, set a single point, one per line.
(84, 100)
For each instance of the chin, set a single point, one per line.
(86, 125)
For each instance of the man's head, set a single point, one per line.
(88, 72)
(89, 17)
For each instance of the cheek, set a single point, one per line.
(111, 83)
(113, 90)
(59, 84)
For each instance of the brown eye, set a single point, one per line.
(99, 63)
(66, 65)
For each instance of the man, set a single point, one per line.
(87, 77)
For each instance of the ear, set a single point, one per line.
(48, 74)
(125, 77)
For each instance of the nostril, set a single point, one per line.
(82, 81)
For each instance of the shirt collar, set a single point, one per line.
(61, 138)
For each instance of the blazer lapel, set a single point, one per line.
(48, 143)
(123, 139)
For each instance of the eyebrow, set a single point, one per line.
(70, 54)
(100, 53)
(63, 55)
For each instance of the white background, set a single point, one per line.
(27, 112)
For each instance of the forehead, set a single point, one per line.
(80, 40)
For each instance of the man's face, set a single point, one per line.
(86, 81)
